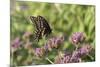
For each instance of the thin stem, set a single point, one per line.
(73, 53)
(49, 60)
(90, 57)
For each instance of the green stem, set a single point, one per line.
(90, 57)
(49, 60)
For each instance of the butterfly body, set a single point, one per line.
(42, 27)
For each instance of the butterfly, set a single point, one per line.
(42, 27)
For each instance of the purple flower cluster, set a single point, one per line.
(77, 37)
(75, 56)
(54, 42)
(16, 43)
(81, 50)
(61, 59)
(67, 58)
(39, 52)
(78, 53)
(85, 49)
(72, 57)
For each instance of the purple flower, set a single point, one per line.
(75, 60)
(76, 57)
(85, 49)
(54, 42)
(59, 40)
(16, 43)
(47, 47)
(27, 35)
(61, 59)
(66, 59)
(39, 52)
(77, 37)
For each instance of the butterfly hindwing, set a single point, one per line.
(45, 25)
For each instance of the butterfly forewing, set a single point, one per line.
(34, 21)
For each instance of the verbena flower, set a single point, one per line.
(16, 43)
(39, 52)
(77, 37)
(65, 58)
(54, 42)
(76, 57)
(85, 49)
(68, 58)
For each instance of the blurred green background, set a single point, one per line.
(64, 19)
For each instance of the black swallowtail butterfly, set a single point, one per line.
(42, 27)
